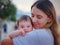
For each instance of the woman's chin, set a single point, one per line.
(36, 27)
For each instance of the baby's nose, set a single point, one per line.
(26, 30)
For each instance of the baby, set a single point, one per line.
(24, 25)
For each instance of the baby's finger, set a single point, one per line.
(22, 33)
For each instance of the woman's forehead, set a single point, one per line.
(36, 11)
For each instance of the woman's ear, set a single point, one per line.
(49, 19)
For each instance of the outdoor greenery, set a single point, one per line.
(7, 10)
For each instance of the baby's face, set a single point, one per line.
(25, 25)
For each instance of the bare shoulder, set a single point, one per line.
(7, 41)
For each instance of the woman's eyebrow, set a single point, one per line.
(39, 15)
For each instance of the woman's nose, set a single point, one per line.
(34, 19)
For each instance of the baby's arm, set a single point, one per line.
(16, 33)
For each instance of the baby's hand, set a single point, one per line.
(16, 33)
(21, 32)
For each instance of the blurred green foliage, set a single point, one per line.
(7, 10)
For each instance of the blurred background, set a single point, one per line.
(11, 10)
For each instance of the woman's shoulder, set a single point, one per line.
(41, 31)
(39, 35)
(33, 34)
(46, 37)
(45, 32)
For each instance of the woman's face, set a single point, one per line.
(39, 18)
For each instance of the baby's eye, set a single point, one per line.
(28, 26)
(22, 26)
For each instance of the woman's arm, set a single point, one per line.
(7, 41)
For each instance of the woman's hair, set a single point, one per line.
(24, 18)
(47, 7)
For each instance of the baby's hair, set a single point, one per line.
(24, 18)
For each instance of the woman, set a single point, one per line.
(48, 8)
(44, 21)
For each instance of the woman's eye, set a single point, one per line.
(39, 17)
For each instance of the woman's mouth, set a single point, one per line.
(36, 25)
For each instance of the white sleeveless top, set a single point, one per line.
(35, 37)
